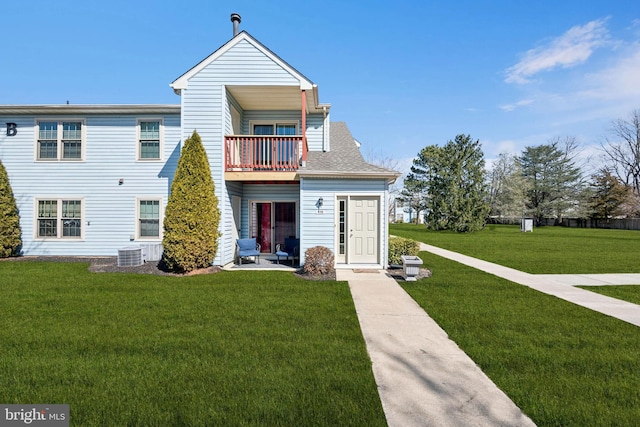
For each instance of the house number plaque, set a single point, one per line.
(12, 129)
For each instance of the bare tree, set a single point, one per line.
(413, 197)
(622, 150)
(379, 159)
(507, 187)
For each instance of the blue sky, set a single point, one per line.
(402, 74)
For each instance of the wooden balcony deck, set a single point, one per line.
(253, 153)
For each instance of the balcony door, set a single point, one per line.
(272, 222)
(274, 129)
(281, 149)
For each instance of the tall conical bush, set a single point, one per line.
(10, 233)
(192, 216)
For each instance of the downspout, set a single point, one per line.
(325, 130)
(305, 147)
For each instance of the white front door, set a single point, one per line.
(363, 243)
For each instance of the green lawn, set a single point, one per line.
(234, 348)
(547, 250)
(630, 293)
(562, 364)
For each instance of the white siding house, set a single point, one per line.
(92, 179)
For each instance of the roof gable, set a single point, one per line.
(182, 81)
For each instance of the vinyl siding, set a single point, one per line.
(206, 108)
(109, 209)
(314, 123)
(266, 193)
(314, 132)
(249, 193)
(318, 228)
(245, 64)
(110, 155)
(226, 243)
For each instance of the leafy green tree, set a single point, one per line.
(555, 183)
(10, 232)
(610, 197)
(192, 216)
(454, 178)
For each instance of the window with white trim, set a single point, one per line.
(284, 148)
(149, 139)
(149, 219)
(266, 128)
(60, 139)
(59, 219)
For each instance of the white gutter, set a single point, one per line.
(91, 109)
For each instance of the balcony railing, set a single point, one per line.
(263, 153)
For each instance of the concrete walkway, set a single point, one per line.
(423, 378)
(560, 285)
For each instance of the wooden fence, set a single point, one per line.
(617, 224)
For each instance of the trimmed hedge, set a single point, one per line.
(399, 246)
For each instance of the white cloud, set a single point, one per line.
(493, 149)
(511, 107)
(570, 49)
(618, 81)
(597, 97)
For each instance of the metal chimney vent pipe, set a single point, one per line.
(235, 18)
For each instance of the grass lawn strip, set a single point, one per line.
(629, 293)
(547, 250)
(234, 348)
(560, 363)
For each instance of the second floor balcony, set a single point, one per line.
(259, 153)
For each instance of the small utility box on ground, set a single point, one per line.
(526, 224)
(411, 265)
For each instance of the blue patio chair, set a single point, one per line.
(248, 247)
(290, 248)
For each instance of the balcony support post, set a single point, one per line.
(305, 148)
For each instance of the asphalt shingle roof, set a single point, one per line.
(343, 159)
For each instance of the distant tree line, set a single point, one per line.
(451, 188)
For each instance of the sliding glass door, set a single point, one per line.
(272, 222)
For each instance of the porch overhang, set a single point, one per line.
(390, 177)
(260, 176)
(270, 98)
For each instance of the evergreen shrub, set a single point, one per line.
(399, 246)
(192, 216)
(10, 232)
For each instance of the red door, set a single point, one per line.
(264, 227)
